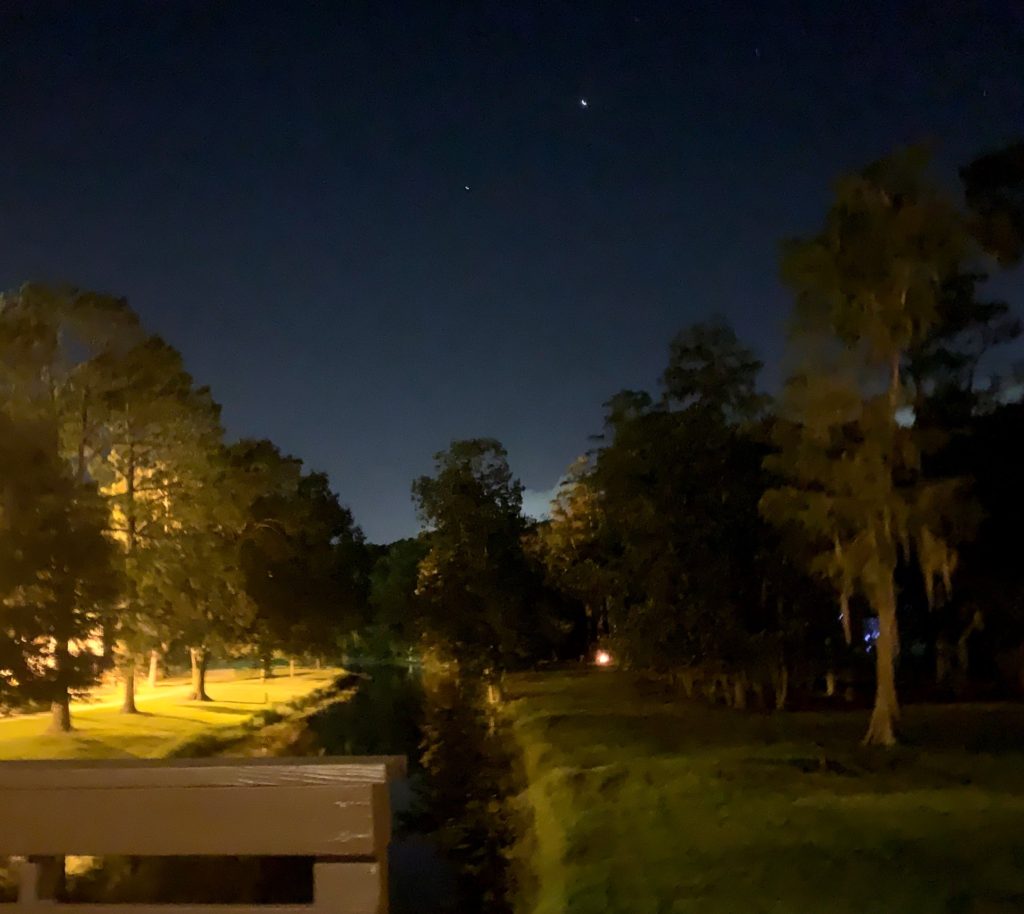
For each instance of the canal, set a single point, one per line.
(452, 821)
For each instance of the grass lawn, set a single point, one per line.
(644, 805)
(167, 720)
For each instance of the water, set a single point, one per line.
(450, 817)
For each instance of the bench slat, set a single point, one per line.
(342, 820)
(49, 907)
(217, 772)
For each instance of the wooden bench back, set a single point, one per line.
(336, 809)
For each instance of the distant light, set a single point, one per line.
(603, 658)
(905, 417)
(583, 103)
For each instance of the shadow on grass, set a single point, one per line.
(220, 709)
(98, 748)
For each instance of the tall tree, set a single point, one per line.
(475, 580)
(301, 554)
(157, 434)
(672, 507)
(201, 585)
(868, 291)
(58, 571)
(49, 339)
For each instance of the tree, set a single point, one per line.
(475, 580)
(202, 581)
(572, 548)
(868, 291)
(393, 582)
(301, 554)
(710, 371)
(156, 436)
(994, 189)
(49, 337)
(58, 571)
(942, 366)
(666, 523)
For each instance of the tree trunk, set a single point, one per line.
(886, 713)
(728, 692)
(291, 667)
(200, 659)
(81, 438)
(154, 668)
(61, 704)
(687, 678)
(266, 667)
(60, 722)
(781, 687)
(129, 687)
(739, 701)
(830, 683)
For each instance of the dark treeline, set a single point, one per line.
(857, 530)
(130, 532)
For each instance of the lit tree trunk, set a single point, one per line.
(128, 671)
(82, 436)
(886, 713)
(200, 659)
(60, 707)
(128, 667)
(739, 689)
(267, 668)
(687, 677)
(291, 667)
(781, 687)
(154, 668)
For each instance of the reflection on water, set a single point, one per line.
(451, 825)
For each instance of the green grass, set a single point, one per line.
(167, 724)
(647, 805)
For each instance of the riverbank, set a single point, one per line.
(167, 723)
(642, 804)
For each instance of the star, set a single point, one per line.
(465, 187)
(583, 103)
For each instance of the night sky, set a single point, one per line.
(280, 190)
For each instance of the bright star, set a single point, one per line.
(583, 103)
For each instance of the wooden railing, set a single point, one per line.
(335, 810)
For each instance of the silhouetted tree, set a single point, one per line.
(475, 581)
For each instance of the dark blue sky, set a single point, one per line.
(278, 188)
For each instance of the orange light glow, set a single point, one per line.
(602, 658)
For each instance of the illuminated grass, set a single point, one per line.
(167, 720)
(643, 805)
